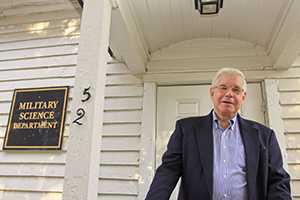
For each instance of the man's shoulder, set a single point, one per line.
(254, 124)
(194, 120)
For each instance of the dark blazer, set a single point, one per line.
(190, 156)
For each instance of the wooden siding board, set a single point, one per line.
(121, 143)
(39, 25)
(116, 197)
(292, 141)
(124, 91)
(290, 111)
(34, 34)
(11, 85)
(291, 125)
(294, 171)
(36, 157)
(41, 42)
(35, 7)
(22, 195)
(290, 98)
(120, 157)
(32, 184)
(41, 17)
(15, 169)
(289, 84)
(122, 80)
(118, 186)
(44, 73)
(293, 156)
(124, 172)
(121, 129)
(39, 52)
(38, 62)
(122, 116)
(132, 103)
(295, 184)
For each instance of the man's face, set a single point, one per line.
(227, 103)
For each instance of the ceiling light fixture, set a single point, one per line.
(208, 7)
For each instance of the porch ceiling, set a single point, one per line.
(142, 28)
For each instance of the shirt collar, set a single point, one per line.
(232, 121)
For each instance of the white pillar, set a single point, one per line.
(84, 143)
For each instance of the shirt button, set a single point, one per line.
(225, 195)
(224, 161)
(224, 147)
(224, 176)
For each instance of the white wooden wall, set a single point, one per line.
(37, 49)
(289, 90)
(119, 164)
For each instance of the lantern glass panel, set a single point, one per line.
(210, 8)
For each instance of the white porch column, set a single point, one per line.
(84, 144)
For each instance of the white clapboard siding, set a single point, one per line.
(289, 89)
(119, 162)
(38, 48)
(10, 8)
(120, 171)
(34, 169)
(21, 195)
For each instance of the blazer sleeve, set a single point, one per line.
(169, 172)
(278, 186)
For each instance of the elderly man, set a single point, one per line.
(221, 155)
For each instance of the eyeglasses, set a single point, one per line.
(224, 88)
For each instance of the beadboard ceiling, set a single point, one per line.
(270, 28)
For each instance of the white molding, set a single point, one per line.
(284, 47)
(124, 45)
(147, 152)
(274, 115)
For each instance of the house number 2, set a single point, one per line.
(80, 111)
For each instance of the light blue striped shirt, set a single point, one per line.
(229, 174)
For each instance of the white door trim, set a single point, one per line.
(147, 147)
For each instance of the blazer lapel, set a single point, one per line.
(252, 149)
(205, 146)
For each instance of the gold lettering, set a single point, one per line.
(44, 106)
(51, 115)
(26, 118)
(40, 115)
(50, 104)
(55, 123)
(22, 106)
(35, 124)
(16, 126)
(31, 125)
(34, 116)
(21, 116)
(55, 103)
(39, 103)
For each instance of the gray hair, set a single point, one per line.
(231, 71)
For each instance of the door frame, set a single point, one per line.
(148, 127)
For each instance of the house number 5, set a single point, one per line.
(80, 111)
